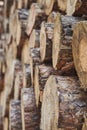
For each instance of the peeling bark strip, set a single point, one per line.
(64, 104)
(46, 36)
(15, 115)
(62, 39)
(79, 46)
(30, 116)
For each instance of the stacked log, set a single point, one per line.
(79, 51)
(64, 104)
(30, 116)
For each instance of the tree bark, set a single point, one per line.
(30, 116)
(64, 104)
(1, 119)
(79, 51)
(15, 120)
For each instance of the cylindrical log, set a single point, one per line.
(27, 76)
(15, 120)
(42, 73)
(79, 47)
(6, 123)
(46, 36)
(62, 40)
(36, 16)
(64, 104)
(30, 116)
(34, 60)
(34, 41)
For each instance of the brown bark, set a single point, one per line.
(42, 73)
(15, 120)
(79, 51)
(64, 104)
(30, 116)
(62, 40)
(36, 16)
(46, 36)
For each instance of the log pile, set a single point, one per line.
(43, 73)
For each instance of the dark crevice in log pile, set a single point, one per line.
(68, 104)
(30, 113)
(15, 120)
(1, 118)
(79, 47)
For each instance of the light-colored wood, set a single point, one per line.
(79, 46)
(62, 101)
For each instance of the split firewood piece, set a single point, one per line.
(69, 6)
(36, 16)
(1, 81)
(62, 39)
(30, 116)
(64, 104)
(34, 41)
(47, 5)
(42, 73)
(27, 76)
(34, 60)
(79, 46)
(46, 36)
(15, 119)
(85, 124)
(1, 118)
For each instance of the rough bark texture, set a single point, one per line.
(30, 116)
(64, 104)
(79, 46)
(15, 115)
(1, 119)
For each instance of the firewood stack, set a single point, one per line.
(43, 70)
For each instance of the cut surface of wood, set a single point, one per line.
(64, 104)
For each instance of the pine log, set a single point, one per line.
(62, 40)
(15, 120)
(36, 16)
(64, 104)
(42, 73)
(47, 5)
(34, 41)
(79, 51)
(1, 118)
(46, 36)
(6, 122)
(27, 76)
(30, 116)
